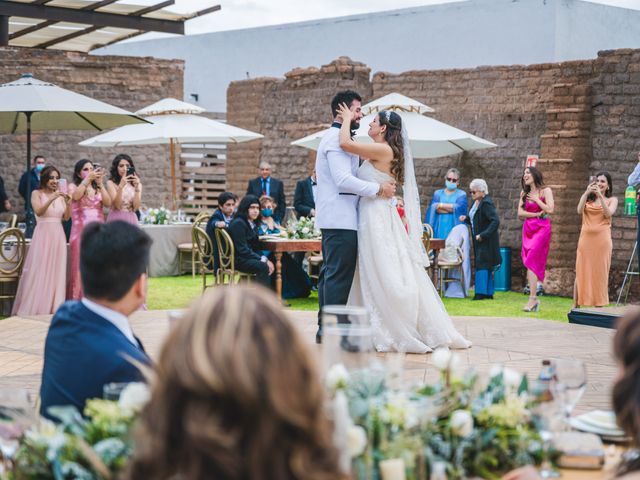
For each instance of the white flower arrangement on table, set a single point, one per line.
(157, 216)
(303, 229)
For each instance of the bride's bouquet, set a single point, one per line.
(303, 229)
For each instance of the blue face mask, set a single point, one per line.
(451, 185)
(39, 167)
(267, 212)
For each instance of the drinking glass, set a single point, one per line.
(112, 391)
(570, 383)
(547, 416)
(347, 337)
(16, 415)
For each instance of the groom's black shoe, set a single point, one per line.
(479, 296)
(319, 335)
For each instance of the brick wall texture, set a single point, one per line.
(126, 82)
(579, 117)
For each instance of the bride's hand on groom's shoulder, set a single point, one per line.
(345, 113)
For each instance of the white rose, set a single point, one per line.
(512, 378)
(461, 423)
(305, 230)
(356, 440)
(134, 397)
(337, 377)
(441, 358)
(166, 222)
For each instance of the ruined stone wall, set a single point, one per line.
(126, 82)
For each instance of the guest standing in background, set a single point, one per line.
(447, 206)
(304, 199)
(593, 258)
(535, 206)
(265, 184)
(43, 282)
(236, 376)
(484, 222)
(244, 233)
(634, 180)
(32, 175)
(5, 204)
(89, 197)
(125, 190)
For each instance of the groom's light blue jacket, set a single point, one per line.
(338, 188)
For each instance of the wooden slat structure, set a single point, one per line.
(203, 176)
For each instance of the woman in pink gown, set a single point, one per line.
(89, 197)
(535, 206)
(42, 285)
(125, 190)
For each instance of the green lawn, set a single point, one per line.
(166, 293)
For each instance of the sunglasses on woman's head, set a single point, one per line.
(452, 180)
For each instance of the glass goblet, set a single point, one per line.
(570, 383)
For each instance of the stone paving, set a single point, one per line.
(520, 343)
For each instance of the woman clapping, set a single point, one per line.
(42, 285)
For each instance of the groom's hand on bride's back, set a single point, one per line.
(387, 190)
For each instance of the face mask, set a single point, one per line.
(39, 167)
(267, 212)
(451, 185)
(84, 174)
(401, 211)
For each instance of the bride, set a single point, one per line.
(390, 280)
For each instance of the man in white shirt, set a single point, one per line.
(337, 196)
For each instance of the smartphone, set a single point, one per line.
(131, 171)
(592, 179)
(62, 185)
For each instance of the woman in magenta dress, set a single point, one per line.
(89, 197)
(125, 190)
(43, 282)
(535, 206)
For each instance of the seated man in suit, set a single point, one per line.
(265, 184)
(304, 200)
(90, 342)
(221, 218)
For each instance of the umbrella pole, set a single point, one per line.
(30, 220)
(172, 157)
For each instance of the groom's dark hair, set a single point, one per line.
(348, 96)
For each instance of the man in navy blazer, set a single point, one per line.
(90, 342)
(304, 199)
(265, 184)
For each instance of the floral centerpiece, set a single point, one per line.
(97, 446)
(303, 229)
(464, 424)
(157, 216)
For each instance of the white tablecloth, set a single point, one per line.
(164, 250)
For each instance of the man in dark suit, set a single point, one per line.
(265, 184)
(90, 342)
(304, 200)
(221, 218)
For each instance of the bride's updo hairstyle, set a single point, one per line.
(236, 395)
(393, 136)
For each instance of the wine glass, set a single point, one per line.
(547, 417)
(347, 337)
(16, 415)
(570, 383)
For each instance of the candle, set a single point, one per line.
(392, 469)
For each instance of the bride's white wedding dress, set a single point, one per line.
(390, 281)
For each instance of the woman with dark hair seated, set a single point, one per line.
(244, 233)
(237, 395)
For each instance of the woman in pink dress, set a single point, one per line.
(42, 285)
(125, 190)
(535, 206)
(89, 197)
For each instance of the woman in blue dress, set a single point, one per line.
(447, 205)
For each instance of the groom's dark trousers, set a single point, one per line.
(339, 253)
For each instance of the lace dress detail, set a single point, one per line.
(405, 310)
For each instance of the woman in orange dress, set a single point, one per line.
(593, 259)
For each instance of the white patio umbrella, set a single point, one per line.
(173, 122)
(428, 137)
(28, 104)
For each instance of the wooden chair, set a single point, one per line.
(190, 250)
(314, 264)
(204, 250)
(13, 250)
(226, 252)
(427, 235)
(447, 265)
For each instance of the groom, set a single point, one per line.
(337, 195)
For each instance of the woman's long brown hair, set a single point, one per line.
(393, 136)
(237, 396)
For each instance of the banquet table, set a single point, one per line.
(280, 245)
(164, 257)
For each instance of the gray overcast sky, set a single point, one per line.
(237, 14)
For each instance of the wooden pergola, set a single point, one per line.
(84, 25)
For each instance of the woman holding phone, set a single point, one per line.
(125, 190)
(89, 197)
(593, 258)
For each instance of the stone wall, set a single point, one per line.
(126, 82)
(579, 116)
